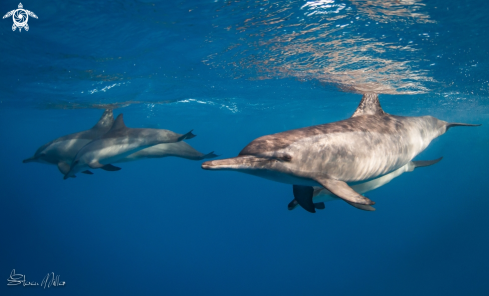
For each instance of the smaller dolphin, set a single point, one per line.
(61, 151)
(118, 143)
(178, 149)
(322, 195)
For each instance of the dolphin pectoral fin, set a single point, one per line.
(343, 191)
(63, 167)
(423, 163)
(292, 205)
(319, 205)
(303, 196)
(107, 167)
(361, 207)
(87, 172)
(110, 168)
(187, 136)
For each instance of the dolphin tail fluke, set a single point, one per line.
(87, 172)
(210, 155)
(452, 124)
(187, 136)
(30, 159)
(303, 196)
(343, 191)
(292, 205)
(424, 163)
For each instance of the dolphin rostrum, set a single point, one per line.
(61, 151)
(178, 149)
(119, 142)
(367, 145)
(322, 195)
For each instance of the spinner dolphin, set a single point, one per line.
(118, 143)
(60, 152)
(365, 146)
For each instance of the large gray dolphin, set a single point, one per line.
(321, 195)
(61, 151)
(119, 142)
(178, 149)
(371, 143)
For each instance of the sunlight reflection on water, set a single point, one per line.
(331, 46)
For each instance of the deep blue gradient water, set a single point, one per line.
(234, 71)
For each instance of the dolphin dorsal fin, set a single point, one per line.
(118, 124)
(369, 105)
(106, 120)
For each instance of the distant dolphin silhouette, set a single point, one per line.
(178, 149)
(119, 142)
(370, 144)
(61, 151)
(322, 195)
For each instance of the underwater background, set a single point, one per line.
(233, 71)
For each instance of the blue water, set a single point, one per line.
(234, 71)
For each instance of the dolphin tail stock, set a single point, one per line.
(30, 159)
(424, 163)
(187, 136)
(452, 124)
(343, 191)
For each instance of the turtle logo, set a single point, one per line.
(20, 17)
